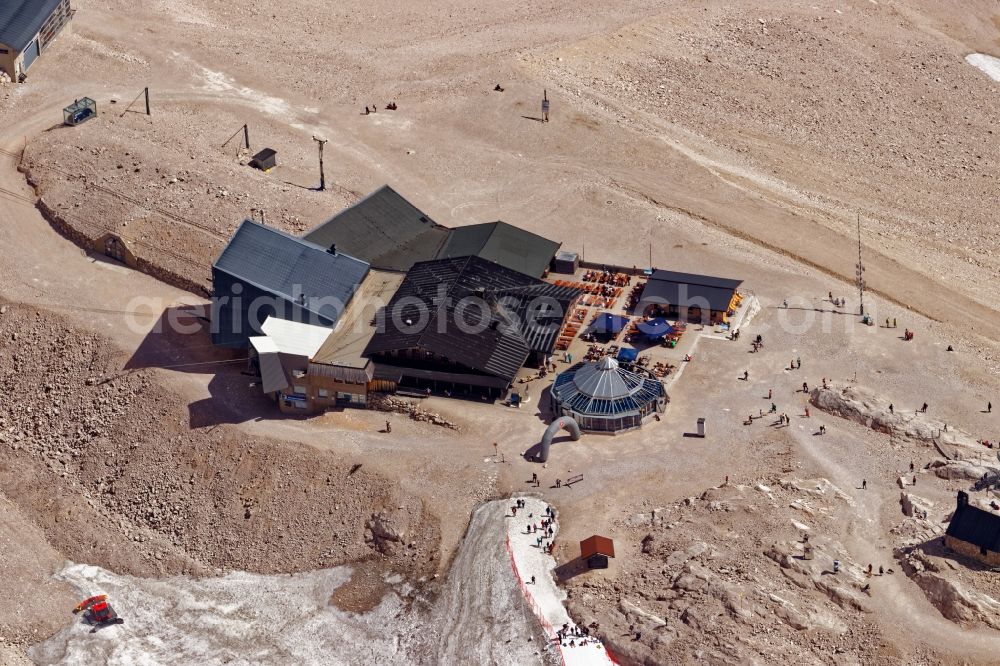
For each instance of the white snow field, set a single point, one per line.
(479, 617)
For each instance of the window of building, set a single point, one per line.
(301, 390)
(323, 393)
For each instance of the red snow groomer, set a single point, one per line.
(98, 612)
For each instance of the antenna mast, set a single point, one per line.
(859, 271)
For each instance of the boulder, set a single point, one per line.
(914, 506)
(956, 603)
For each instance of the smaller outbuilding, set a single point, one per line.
(689, 297)
(281, 357)
(265, 160)
(566, 262)
(596, 550)
(974, 532)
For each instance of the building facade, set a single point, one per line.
(27, 27)
(688, 297)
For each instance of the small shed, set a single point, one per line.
(265, 160)
(80, 111)
(565, 262)
(596, 550)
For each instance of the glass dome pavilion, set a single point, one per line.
(605, 397)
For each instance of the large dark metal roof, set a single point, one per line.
(977, 526)
(383, 229)
(286, 266)
(20, 20)
(688, 289)
(473, 312)
(538, 311)
(503, 244)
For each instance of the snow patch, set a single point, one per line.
(221, 82)
(987, 64)
(240, 618)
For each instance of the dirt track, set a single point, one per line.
(708, 181)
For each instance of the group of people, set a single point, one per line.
(391, 106)
(572, 636)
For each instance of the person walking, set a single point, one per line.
(864, 484)
(746, 375)
(989, 408)
(798, 362)
(388, 427)
(807, 412)
(924, 408)
(532, 580)
(769, 393)
(891, 410)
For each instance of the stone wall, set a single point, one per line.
(992, 558)
(86, 242)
